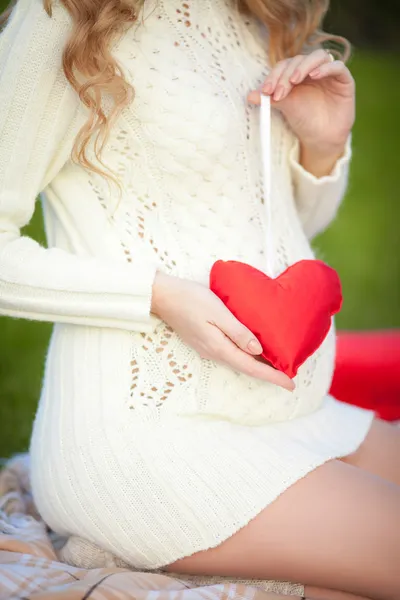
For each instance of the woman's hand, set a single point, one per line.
(202, 320)
(316, 95)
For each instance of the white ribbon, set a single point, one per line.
(265, 138)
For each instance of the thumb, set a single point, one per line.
(254, 97)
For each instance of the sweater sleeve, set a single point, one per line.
(318, 199)
(40, 115)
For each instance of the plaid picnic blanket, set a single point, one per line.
(36, 564)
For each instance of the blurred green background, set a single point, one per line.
(363, 243)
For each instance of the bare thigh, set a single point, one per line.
(380, 452)
(337, 528)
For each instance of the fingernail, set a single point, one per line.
(295, 78)
(267, 89)
(279, 93)
(315, 73)
(290, 386)
(255, 347)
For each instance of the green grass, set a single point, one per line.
(363, 245)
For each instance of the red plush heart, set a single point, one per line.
(290, 315)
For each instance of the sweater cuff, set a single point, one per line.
(318, 198)
(302, 177)
(55, 286)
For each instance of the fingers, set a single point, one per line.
(283, 85)
(223, 350)
(271, 81)
(309, 63)
(291, 72)
(297, 70)
(336, 69)
(240, 361)
(238, 333)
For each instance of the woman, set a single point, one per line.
(159, 435)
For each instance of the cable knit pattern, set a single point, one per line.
(134, 431)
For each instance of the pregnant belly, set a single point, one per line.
(169, 379)
(108, 377)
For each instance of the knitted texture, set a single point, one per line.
(134, 431)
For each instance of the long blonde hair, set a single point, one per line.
(292, 25)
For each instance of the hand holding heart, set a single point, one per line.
(203, 321)
(290, 315)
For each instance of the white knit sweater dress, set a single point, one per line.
(140, 445)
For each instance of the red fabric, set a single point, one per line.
(367, 371)
(290, 315)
